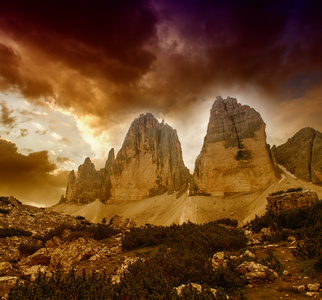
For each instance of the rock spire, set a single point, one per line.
(234, 156)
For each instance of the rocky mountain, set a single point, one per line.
(234, 156)
(302, 155)
(149, 163)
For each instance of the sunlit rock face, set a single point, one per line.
(148, 164)
(234, 156)
(302, 155)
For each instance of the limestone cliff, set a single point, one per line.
(234, 156)
(149, 163)
(302, 155)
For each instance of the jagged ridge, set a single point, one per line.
(149, 163)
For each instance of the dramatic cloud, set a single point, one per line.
(31, 177)
(121, 56)
(104, 63)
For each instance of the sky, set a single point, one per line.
(74, 74)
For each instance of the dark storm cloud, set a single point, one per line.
(6, 117)
(29, 176)
(13, 76)
(107, 57)
(104, 38)
(261, 43)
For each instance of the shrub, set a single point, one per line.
(310, 248)
(206, 238)
(5, 200)
(4, 211)
(8, 232)
(29, 248)
(272, 262)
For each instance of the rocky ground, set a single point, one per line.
(294, 281)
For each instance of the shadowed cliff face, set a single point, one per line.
(301, 155)
(234, 156)
(149, 163)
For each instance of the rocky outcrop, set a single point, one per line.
(302, 155)
(148, 164)
(291, 200)
(234, 156)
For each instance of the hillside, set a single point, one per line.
(166, 209)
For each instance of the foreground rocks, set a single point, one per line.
(256, 273)
(234, 156)
(148, 164)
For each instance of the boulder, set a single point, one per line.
(256, 273)
(196, 286)
(234, 156)
(219, 260)
(313, 287)
(299, 288)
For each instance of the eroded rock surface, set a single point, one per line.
(302, 155)
(234, 156)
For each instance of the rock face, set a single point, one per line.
(291, 200)
(234, 156)
(87, 186)
(302, 155)
(149, 163)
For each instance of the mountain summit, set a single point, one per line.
(148, 164)
(234, 156)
